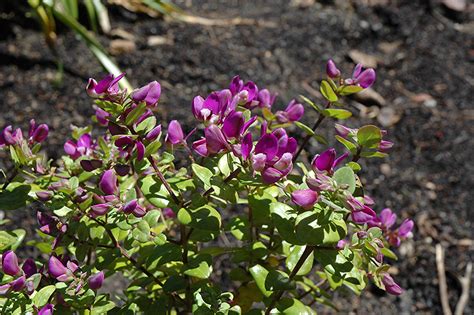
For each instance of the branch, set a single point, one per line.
(163, 180)
(466, 284)
(443, 287)
(308, 136)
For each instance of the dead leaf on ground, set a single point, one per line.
(368, 61)
(455, 5)
(369, 97)
(121, 46)
(388, 117)
(159, 40)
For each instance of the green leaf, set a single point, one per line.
(289, 306)
(146, 125)
(135, 113)
(283, 216)
(42, 296)
(350, 89)
(369, 136)
(154, 191)
(345, 176)
(320, 228)
(337, 113)
(260, 205)
(259, 274)
(388, 253)
(199, 267)
(239, 227)
(355, 166)
(294, 257)
(175, 283)
(321, 139)
(205, 220)
(305, 128)
(16, 196)
(277, 280)
(311, 103)
(102, 307)
(349, 145)
(163, 254)
(327, 91)
(203, 174)
(11, 239)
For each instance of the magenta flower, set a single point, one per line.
(95, 281)
(107, 87)
(29, 267)
(18, 284)
(10, 263)
(10, 137)
(386, 220)
(305, 198)
(331, 70)
(385, 146)
(265, 98)
(62, 273)
(215, 140)
(321, 182)
(108, 183)
(175, 133)
(134, 207)
(364, 78)
(293, 112)
(361, 213)
(37, 133)
(46, 310)
(390, 286)
(101, 116)
(150, 94)
(100, 209)
(168, 213)
(236, 85)
(327, 161)
(83, 147)
(153, 134)
(344, 131)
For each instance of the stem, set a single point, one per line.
(308, 136)
(184, 244)
(357, 155)
(9, 179)
(132, 260)
(163, 180)
(231, 176)
(277, 295)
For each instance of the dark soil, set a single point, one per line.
(420, 48)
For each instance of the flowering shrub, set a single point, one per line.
(285, 233)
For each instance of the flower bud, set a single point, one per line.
(41, 133)
(108, 183)
(122, 169)
(390, 286)
(46, 310)
(168, 213)
(29, 267)
(44, 195)
(154, 133)
(10, 263)
(140, 151)
(90, 165)
(56, 267)
(150, 94)
(331, 70)
(175, 133)
(18, 284)
(95, 281)
(215, 139)
(100, 209)
(305, 198)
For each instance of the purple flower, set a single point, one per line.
(361, 213)
(390, 286)
(108, 183)
(150, 94)
(101, 116)
(29, 267)
(200, 147)
(10, 263)
(83, 147)
(321, 182)
(153, 134)
(265, 98)
(56, 267)
(107, 87)
(236, 85)
(233, 124)
(206, 109)
(95, 281)
(364, 78)
(168, 213)
(100, 209)
(293, 112)
(37, 133)
(46, 310)
(341, 244)
(10, 137)
(386, 220)
(246, 146)
(327, 161)
(305, 198)
(175, 133)
(385, 146)
(90, 165)
(331, 70)
(18, 284)
(215, 140)
(344, 131)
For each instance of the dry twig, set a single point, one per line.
(443, 287)
(466, 284)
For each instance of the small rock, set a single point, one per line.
(455, 5)
(430, 185)
(121, 46)
(426, 99)
(369, 97)
(388, 117)
(158, 40)
(368, 61)
(385, 169)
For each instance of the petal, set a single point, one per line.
(324, 161)
(200, 147)
(56, 267)
(215, 139)
(247, 145)
(271, 175)
(268, 144)
(29, 267)
(95, 281)
(10, 263)
(196, 107)
(331, 69)
(305, 198)
(233, 124)
(387, 217)
(366, 78)
(212, 103)
(108, 183)
(405, 228)
(140, 151)
(175, 132)
(104, 84)
(84, 141)
(236, 85)
(46, 310)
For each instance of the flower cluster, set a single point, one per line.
(120, 201)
